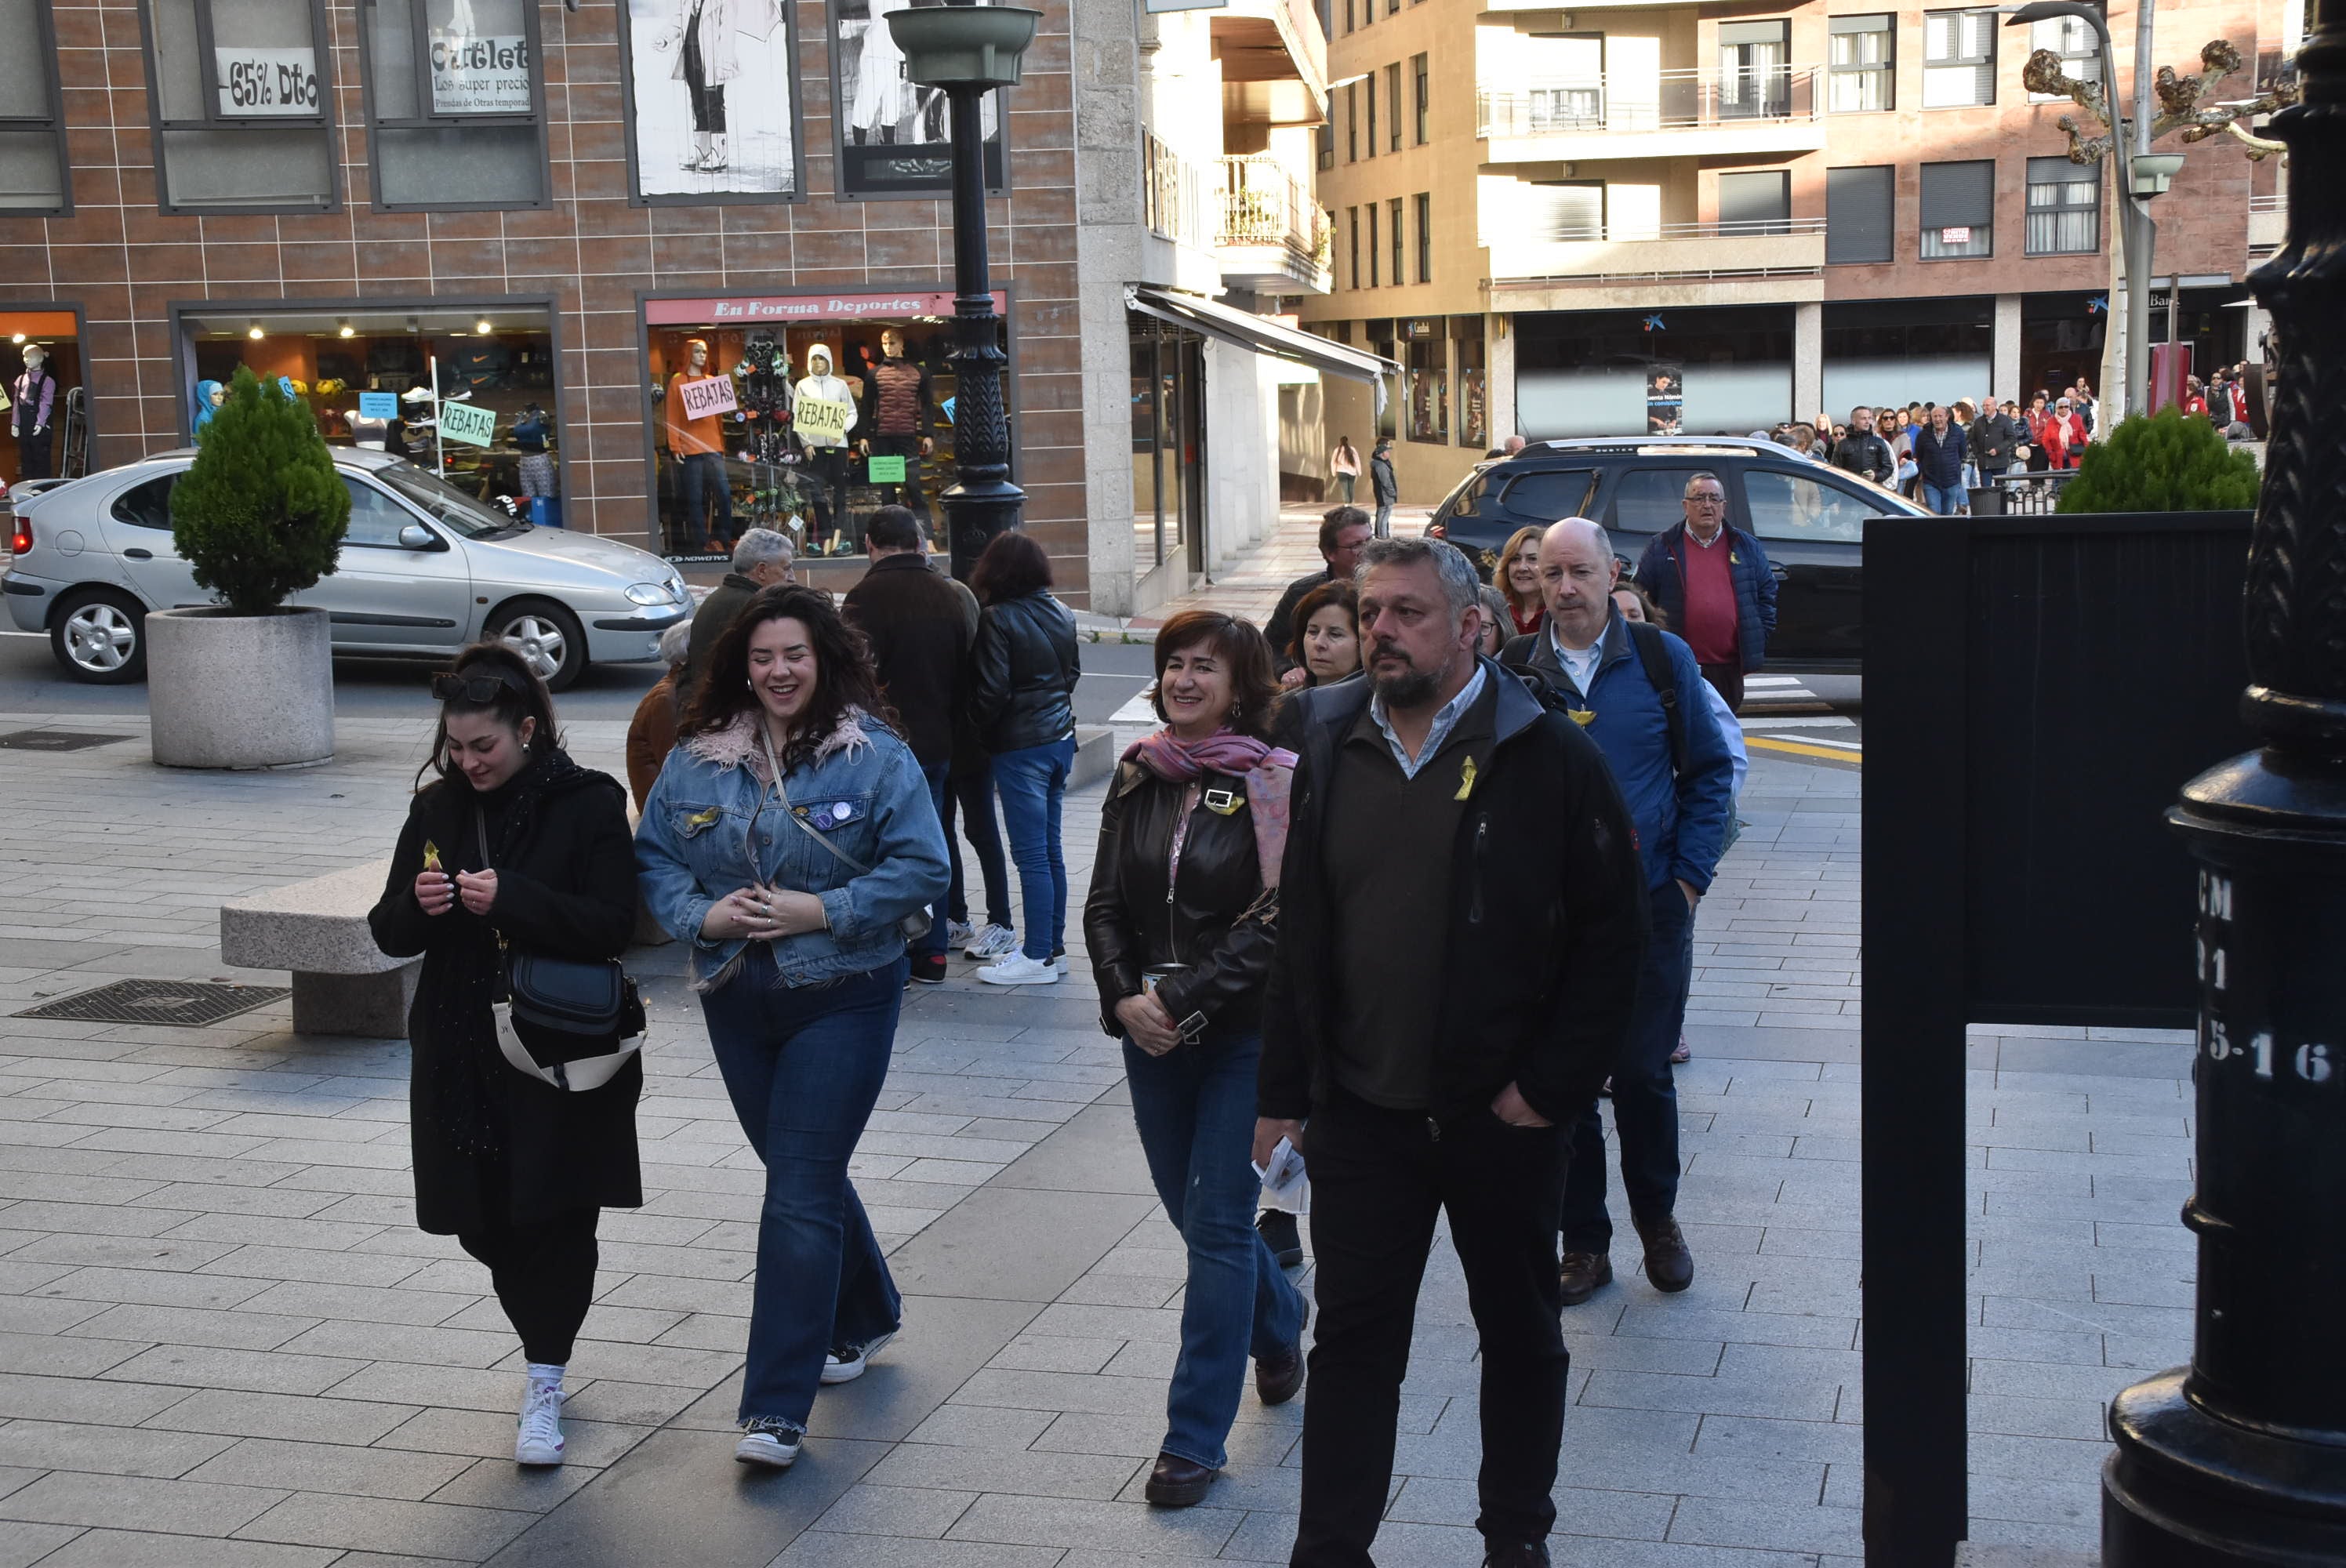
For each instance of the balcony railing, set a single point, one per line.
(1622, 233)
(1648, 101)
(1265, 206)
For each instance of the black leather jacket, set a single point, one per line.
(1210, 921)
(1023, 673)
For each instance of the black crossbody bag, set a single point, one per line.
(571, 1023)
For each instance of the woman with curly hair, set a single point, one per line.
(1518, 578)
(787, 842)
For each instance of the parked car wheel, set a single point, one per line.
(99, 636)
(547, 637)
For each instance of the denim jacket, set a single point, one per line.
(862, 790)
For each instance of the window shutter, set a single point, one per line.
(1958, 194)
(1753, 199)
(1859, 205)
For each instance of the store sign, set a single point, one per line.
(822, 422)
(378, 405)
(707, 398)
(468, 423)
(480, 75)
(1955, 236)
(807, 307)
(255, 82)
(880, 469)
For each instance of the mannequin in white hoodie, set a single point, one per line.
(826, 451)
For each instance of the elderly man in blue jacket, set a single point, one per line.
(1637, 692)
(1713, 581)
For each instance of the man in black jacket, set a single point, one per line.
(1383, 485)
(1439, 1064)
(762, 557)
(1342, 530)
(921, 636)
(1863, 453)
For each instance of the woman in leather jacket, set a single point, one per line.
(1180, 923)
(1022, 699)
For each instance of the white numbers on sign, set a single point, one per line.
(2260, 1047)
(2220, 1045)
(2215, 896)
(2314, 1063)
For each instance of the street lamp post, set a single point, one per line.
(2241, 1457)
(968, 50)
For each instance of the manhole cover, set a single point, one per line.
(55, 740)
(186, 1003)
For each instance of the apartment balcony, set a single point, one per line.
(1273, 59)
(1764, 261)
(1651, 113)
(1273, 239)
(2268, 224)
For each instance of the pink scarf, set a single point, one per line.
(1268, 771)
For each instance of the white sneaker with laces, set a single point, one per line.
(1020, 970)
(538, 1440)
(772, 1444)
(846, 1363)
(960, 933)
(990, 941)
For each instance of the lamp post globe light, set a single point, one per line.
(968, 50)
(2241, 1457)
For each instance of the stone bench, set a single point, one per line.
(343, 983)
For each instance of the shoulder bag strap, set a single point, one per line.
(773, 765)
(1655, 660)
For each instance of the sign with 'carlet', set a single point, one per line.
(709, 396)
(257, 83)
(468, 422)
(480, 75)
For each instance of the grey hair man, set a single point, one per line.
(762, 558)
(1460, 925)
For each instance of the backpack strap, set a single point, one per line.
(1655, 659)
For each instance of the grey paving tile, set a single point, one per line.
(484, 1434)
(307, 1466)
(906, 1512)
(208, 1367)
(76, 1400)
(139, 1502)
(133, 1549)
(1200, 1531)
(242, 1414)
(106, 1448)
(22, 1544)
(1030, 1473)
(828, 1550)
(375, 1524)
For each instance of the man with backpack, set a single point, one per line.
(1637, 691)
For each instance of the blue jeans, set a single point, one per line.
(803, 1068)
(933, 945)
(701, 482)
(1195, 1108)
(1034, 783)
(1645, 1098)
(1947, 500)
(972, 792)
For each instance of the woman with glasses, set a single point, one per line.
(511, 846)
(789, 843)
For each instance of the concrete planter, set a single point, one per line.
(225, 690)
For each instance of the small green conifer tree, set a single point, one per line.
(259, 515)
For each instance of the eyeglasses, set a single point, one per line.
(479, 688)
(1708, 499)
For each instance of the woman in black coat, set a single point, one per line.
(517, 1170)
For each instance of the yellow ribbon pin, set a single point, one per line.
(1465, 779)
(1582, 716)
(430, 856)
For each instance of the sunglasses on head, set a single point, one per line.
(479, 688)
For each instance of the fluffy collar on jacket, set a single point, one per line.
(737, 745)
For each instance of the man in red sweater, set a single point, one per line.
(1713, 582)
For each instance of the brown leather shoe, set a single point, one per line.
(1668, 1264)
(1175, 1483)
(1278, 1379)
(1583, 1273)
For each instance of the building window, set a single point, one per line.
(1352, 122)
(453, 106)
(1393, 7)
(1348, 15)
(1958, 59)
(1353, 228)
(243, 116)
(1566, 209)
(1858, 207)
(1371, 211)
(1428, 389)
(1369, 87)
(1758, 202)
(1324, 143)
(2065, 206)
(1755, 72)
(1392, 107)
(2072, 38)
(1958, 210)
(1379, 339)
(33, 176)
(1425, 237)
(1863, 55)
(1421, 69)
(1393, 212)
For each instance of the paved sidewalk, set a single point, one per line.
(1249, 586)
(222, 1342)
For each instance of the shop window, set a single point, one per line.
(1958, 59)
(1858, 207)
(1958, 210)
(1167, 415)
(1421, 70)
(1861, 62)
(45, 428)
(1425, 237)
(2065, 206)
(33, 178)
(1429, 383)
(1474, 395)
(801, 413)
(893, 137)
(242, 104)
(2072, 38)
(463, 391)
(456, 103)
(1378, 337)
(1392, 107)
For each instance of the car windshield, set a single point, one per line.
(447, 503)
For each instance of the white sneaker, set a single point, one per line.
(539, 1439)
(990, 941)
(1020, 970)
(960, 933)
(846, 1363)
(769, 1442)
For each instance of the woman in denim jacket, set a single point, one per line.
(792, 903)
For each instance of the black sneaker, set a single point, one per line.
(1278, 1233)
(929, 969)
(845, 1363)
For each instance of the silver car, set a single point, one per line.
(425, 569)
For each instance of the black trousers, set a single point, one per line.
(545, 1275)
(909, 494)
(33, 455)
(1378, 1179)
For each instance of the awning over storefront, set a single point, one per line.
(1258, 334)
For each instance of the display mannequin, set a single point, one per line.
(536, 465)
(34, 405)
(896, 416)
(697, 445)
(826, 459)
(210, 395)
